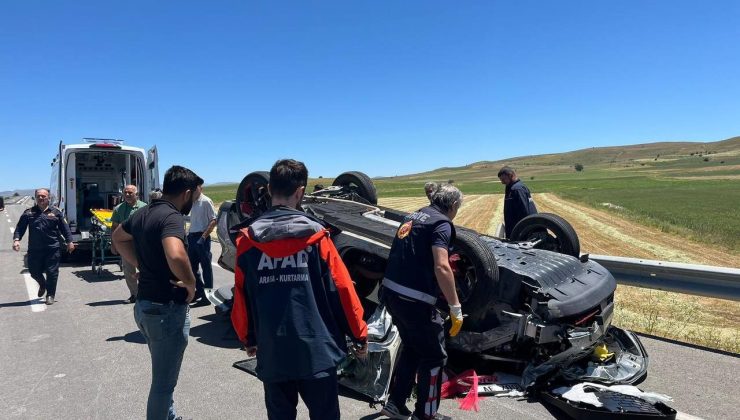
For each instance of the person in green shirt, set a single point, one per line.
(123, 211)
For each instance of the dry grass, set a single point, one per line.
(708, 322)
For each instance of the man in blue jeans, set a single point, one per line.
(202, 222)
(153, 240)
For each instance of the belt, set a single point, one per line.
(408, 292)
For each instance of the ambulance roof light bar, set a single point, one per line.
(102, 141)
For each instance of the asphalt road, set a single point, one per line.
(83, 358)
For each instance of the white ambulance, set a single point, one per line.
(92, 175)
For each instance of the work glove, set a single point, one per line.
(456, 318)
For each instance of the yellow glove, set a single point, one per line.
(456, 316)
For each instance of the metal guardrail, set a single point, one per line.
(702, 280)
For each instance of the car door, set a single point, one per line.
(152, 170)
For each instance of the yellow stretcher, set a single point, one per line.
(101, 241)
(102, 216)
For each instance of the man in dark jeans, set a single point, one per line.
(202, 222)
(44, 224)
(294, 302)
(153, 240)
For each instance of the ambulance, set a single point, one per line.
(93, 174)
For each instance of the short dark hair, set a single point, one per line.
(178, 179)
(39, 189)
(286, 176)
(506, 170)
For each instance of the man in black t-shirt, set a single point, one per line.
(153, 240)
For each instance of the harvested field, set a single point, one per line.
(479, 212)
(407, 204)
(602, 232)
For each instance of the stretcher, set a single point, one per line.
(100, 233)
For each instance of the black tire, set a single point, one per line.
(554, 233)
(476, 274)
(252, 198)
(358, 183)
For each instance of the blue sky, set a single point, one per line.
(387, 88)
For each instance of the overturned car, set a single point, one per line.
(533, 303)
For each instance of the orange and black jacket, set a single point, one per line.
(293, 296)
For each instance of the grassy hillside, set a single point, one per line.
(692, 189)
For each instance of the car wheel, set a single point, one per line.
(252, 198)
(550, 232)
(358, 183)
(476, 273)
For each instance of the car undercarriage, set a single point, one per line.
(535, 306)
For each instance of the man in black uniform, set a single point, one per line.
(44, 225)
(153, 240)
(418, 269)
(518, 202)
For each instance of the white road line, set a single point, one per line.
(32, 287)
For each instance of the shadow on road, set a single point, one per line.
(107, 303)
(132, 337)
(217, 332)
(554, 411)
(20, 303)
(90, 277)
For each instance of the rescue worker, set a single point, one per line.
(418, 270)
(294, 302)
(518, 202)
(45, 224)
(121, 213)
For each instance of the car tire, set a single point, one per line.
(252, 198)
(554, 232)
(476, 274)
(358, 183)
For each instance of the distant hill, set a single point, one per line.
(665, 156)
(20, 192)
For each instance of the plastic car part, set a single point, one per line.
(548, 231)
(372, 377)
(629, 365)
(358, 183)
(591, 401)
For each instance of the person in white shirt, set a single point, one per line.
(202, 222)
